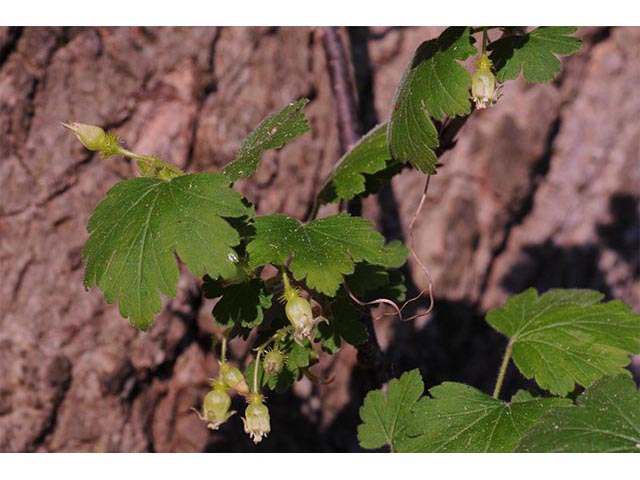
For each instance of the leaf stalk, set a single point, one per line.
(503, 369)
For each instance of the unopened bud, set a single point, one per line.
(95, 138)
(90, 136)
(233, 378)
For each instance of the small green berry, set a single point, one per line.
(273, 361)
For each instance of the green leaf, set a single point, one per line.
(396, 254)
(298, 356)
(323, 250)
(273, 132)
(534, 53)
(369, 156)
(385, 417)
(460, 418)
(328, 337)
(369, 282)
(606, 419)
(434, 85)
(566, 336)
(241, 305)
(347, 322)
(135, 230)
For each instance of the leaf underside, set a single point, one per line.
(565, 337)
(136, 229)
(273, 132)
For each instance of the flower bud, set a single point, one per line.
(233, 378)
(90, 136)
(273, 362)
(483, 84)
(215, 408)
(94, 138)
(256, 420)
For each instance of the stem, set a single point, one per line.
(145, 158)
(342, 87)
(503, 369)
(480, 29)
(256, 367)
(223, 353)
(346, 108)
(150, 160)
(344, 97)
(484, 40)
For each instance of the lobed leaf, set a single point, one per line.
(369, 282)
(386, 417)
(346, 323)
(273, 132)
(322, 251)
(534, 53)
(606, 419)
(434, 85)
(460, 418)
(565, 336)
(136, 229)
(241, 305)
(368, 157)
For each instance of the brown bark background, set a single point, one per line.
(541, 190)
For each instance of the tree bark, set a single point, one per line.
(541, 190)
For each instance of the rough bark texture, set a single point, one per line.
(541, 190)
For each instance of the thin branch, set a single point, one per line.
(346, 106)
(342, 86)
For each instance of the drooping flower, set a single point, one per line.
(298, 311)
(215, 407)
(483, 84)
(256, 418)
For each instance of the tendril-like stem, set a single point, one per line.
(412, 249)
(423, 267)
